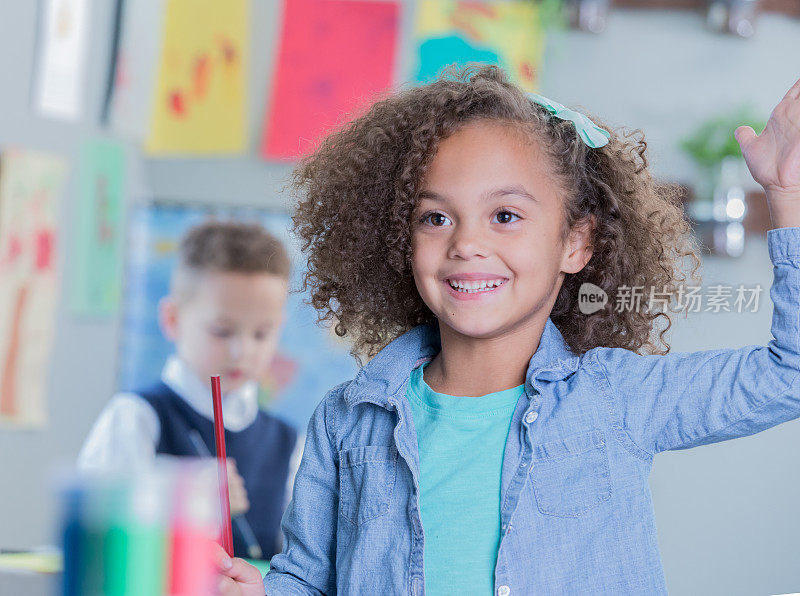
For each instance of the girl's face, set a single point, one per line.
(488, 259)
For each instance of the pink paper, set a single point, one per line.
(334, 57)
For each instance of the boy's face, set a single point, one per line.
(229, 326)
(489, 220)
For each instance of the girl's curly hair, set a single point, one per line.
(358, 189)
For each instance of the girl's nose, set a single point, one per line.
(467, 243)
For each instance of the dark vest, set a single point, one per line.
(262, 452)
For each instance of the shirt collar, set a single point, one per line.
(553, 359)
(239, 407)
(385, 375)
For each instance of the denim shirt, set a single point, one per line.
(576, 511)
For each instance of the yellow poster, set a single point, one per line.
(508, 33)
(199, 106)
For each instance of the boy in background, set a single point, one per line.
(224, 314)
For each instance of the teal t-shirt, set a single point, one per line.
(461, 444)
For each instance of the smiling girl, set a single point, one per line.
(499, 441)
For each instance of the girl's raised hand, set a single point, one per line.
(774, 156)
(237, 577)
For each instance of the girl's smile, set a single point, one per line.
(475, 286)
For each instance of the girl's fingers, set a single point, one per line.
(238, 579)
(244, 573)
(221, 558)
(744, 135)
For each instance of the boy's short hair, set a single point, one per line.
(227, 246)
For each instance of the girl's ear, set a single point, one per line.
(168, 317)
(578, 247)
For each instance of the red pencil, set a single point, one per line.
(224, 497)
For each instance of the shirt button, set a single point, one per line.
(417, 586)
(530, 417)
(503, 591)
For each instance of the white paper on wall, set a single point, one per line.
(62, 55)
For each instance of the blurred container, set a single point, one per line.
(195, 527)
(727, 236)
(588, 15)
(150, 533)
(733, 16)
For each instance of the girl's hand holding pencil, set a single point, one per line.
(237, 577)
(773, 158)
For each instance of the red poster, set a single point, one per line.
(335, 55)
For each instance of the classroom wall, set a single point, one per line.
(727, 514)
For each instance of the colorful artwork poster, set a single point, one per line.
(96, 263)
(311, 359)
(30, 188)
(63, 40)
(335, 56)
(199, 106)
(507, 33)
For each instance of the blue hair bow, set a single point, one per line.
(591, 134)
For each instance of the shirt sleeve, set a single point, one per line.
(124, 436)
(307, 562)
(684, 400)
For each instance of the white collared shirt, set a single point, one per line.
(128, 430)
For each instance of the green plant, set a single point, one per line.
(714, 139)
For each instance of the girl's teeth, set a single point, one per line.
(470, 287)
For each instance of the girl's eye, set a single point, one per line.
(220, 332)
(435, 219)
(505, 217)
